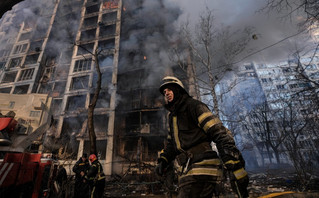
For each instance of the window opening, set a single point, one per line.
(9, 77)
(76, 102)
(35, 113)
(23, 89)
(31, 59)
(92, 9)
(20, 48)
(26, 74)
(5, 90)
(109, 17)
(79, 82)
(85, 49)
(15, 62)
(88, 34)
(108, 30)
(82, 65)
(90, 22)
(25, 36)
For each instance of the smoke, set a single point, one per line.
(147, 31)
(270, 28)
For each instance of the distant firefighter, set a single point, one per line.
(192, 128)
(81, 187)
(96, 177)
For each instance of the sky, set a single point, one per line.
(269, 28)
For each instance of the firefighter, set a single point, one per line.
(192, 129)
(95, 177)
(81, 187)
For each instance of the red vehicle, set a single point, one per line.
(25, 175)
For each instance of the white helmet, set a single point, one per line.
(170, 80)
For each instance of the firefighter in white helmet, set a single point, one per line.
(192, 128)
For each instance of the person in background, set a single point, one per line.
(192, 128)
(81, 187)
(95, 177)
(61, 179)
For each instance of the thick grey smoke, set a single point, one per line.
(147, 31)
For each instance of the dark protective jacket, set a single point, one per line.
(95, 173)
(96, 178)
(81, 188)
(79, 166)
(192, 128)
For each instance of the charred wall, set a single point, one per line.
(146, 29)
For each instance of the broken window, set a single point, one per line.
(5, 90)
(25, 36)
(2, 65)
(45, 88)
(20, 48)
(35, 46)
(31, 59)
(92, 9)
(101, 124)
(85, 49)
(109, 17)
(56, 106)
(103, 100)
(15, 62)
(70, 129)
(90, 22)
(73, 124)
(76, 102)
(151, 122)
(105, 61)
(100, 147)
(133, 122)
(26, 74)
(22, 89)
(81, 82)
(9, 77)
(106, 45)
(82, 65)
(106, 79)
(106, 31)
(88, 34)
(59, 88)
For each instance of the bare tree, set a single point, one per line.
(262, 129)
(93, 101)
(308, 8)
(212, 50)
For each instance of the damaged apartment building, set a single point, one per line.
(50, 48)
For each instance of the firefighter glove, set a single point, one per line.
(161, 166)
(239, 185)
(238, 176)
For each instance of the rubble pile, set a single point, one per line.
(140, 186)
(280, 181)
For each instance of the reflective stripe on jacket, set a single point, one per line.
(192, 124)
